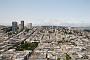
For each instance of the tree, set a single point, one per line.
(58, 58)
(67, 57)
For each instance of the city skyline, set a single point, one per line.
(46, 12)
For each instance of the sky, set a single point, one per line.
(46, 12)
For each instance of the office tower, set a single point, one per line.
(22, 25)
(14, 26)
(19, 26)
(29, 25)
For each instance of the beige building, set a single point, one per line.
(29, 26)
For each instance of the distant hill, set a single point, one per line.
(81, 28)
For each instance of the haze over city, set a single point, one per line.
(44, 29)
(46, 12)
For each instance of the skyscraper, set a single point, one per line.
(14, 26)
(29, 26)
(22, 25)
(19, 26)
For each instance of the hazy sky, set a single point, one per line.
(46, 12)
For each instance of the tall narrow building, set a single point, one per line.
(22, 25)
(14, 26)
(19, 26)
(29, 26)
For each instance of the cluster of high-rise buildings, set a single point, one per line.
(20, 27)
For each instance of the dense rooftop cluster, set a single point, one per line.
(45, 43)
